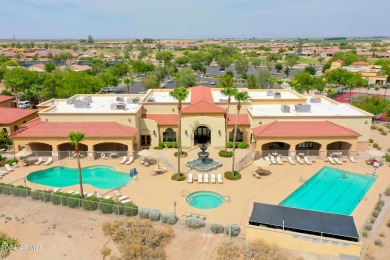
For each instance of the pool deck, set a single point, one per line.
(160, 192)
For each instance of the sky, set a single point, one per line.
(192, 19)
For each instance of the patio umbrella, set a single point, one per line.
(376, 153)
(23, 153)
(261, 163)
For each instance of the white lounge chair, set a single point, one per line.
(89, 195)
(273, 161)
(49, 161)
(124, 159)
(291, 161)
(130, 161)
(56, 189)
(212, 176)
(352, 159)
(219, 177)
(77, 193)
(200, 178)
(337, 161)
(300, 160)
(71, 192)
(278, 160)
(8, 168)
(108, 197)
(206, 178)
(267, 160)
(122, 198)
(3, 172)
(190, 178)
(126, 201)
(40, 160)
(306, 159)
(330, 159)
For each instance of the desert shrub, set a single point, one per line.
(378, 206)
(130, 209)
(387, 192)
(137, 238)
(55, 199)
(161, 144)
(243, 145)
(169, 145)
(382, 234)
(259, 249)
(374, 127)
(372, 220)
(143, 213)
(378, 242)
(6, 188)
(73, 201)
(194, 222)
(383, 133)
(381, 202)
(90, 203)
(117, 208)
(368, 227)
(232, 229)
(379, 148)
(217, 228)
(7, 244)
(183, 154)
(375, 213)
(105, 206)
(154, 215)
(380, 129)
(371, 140)
(375, 145)
(177, 177)
(388, 223)
(223, 154)
(169, 218)
(228, 250)
(365, 234)
(229, 175)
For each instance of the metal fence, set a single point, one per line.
(338, 153)
(244, 160)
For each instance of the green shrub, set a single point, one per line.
(243, 145)
(230, 144)
(194, 222)
(154, 215)
(372, 220)
(64, 198)
(365, 234)
(387, 192)
(7, 244)
(375, 213)
(73, 201)
(11, 161)
(223, 154)
(387, 157)
(169, 218)
(233, 229)
(183, 154)
(130, 209)
(378, 206)
(229, 175)
(90, 203)
(158, 147)
(371, 140)
(20, 191)
(117, 208)
(380, 129)
(375, 145)
(217, 228)
(175, 144)
(36, 195)
(374, 127)
(144, 213)
(41, 195)
(368, 227)
(55, 199)
(383, 133)
(177, 177)
(106, 206)
(6, 188)
(169, 145)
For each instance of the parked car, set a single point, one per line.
(142, 93)
(24, 104)
(212, 83)
(105, 91)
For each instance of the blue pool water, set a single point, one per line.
(102, 177)
(331, 190)
(205, 200)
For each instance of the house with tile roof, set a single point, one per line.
(6, 101)
(12, 118)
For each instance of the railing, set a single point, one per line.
(244, 160)
(338, 153)
(71, 154)
(279, 152)
(314, 153)
(109, 154)
(39, 154)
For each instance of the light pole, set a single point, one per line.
(25, 181)
(174, 208)
(379, 199)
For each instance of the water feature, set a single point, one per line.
(205, 200)
(203, 163)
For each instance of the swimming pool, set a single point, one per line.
(331, 190)
(102, 177)
(205, 200)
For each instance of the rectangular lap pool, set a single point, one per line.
(331, 190)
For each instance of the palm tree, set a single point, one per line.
(272, 81)
(228, 92)
(179, 94)
(75, 139)
(128, 82)
(239, 97)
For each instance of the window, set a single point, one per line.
(5, 130)
(16, 128)
(305, 145)
(239, 137)
(145, 140)
(169, 135)
(276, 145)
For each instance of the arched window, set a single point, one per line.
(24, 122)
(239, 138)
(5, 130)
(16, 128)
(169, 135)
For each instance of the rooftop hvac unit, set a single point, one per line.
(223, 100)
(70, 101)
(315, 100)
(277, 95)
(270, 93)
(136, 100)
(285, 109)
(80, 103)
(120, 99)
(113, 106)
(303, 108)
(151, 99)
(129, 100)
(88, 99)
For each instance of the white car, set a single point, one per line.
(142, 93)
(24, 104)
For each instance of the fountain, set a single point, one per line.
(203, 163)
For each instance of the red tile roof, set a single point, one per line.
(302, 129)
(339, 61)
(90, 129)
(5, 98)
(202, 101)
(31, 123)
(163, 119)
(200, 93)
(9, 115)
(77, 67)
(360, 63)
(242, 120)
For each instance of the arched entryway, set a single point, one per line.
(110, 149)
(36, 146)
(338, 148)
(279, 147)
(308, 148)
(202, 134)
(67, 150)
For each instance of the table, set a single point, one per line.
(301, 154)
(274, 154)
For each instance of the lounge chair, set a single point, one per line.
(126, 201)
(337, 161)
(122, 198)
(130, 161)
(352, 159)
(108, 197)
(219, 177)
(330, 159)
(267, 160)
(291, 161)
(56, 189)
(49, 161)
(77, 193)
(71, 192)
(8, 168)
(212, 176)
(278, 160)
(40, 160)
(300, 160)
(124, 159)
(273, 161)
(3, 172)
(306, 159)
(200, 178)
(190, 178)
(206, 178)
(89, 195)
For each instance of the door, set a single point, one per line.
(145, 140)
(202, 135)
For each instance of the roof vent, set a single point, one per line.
(70, 101)
(120, 99)
(136, 100)
(277, 95)
(129, 100)
(285, 109)
(88, 99)
(303, 108)
(151, 99)
(223, 100)
(270, 93)
(315, 100)
(81, 104)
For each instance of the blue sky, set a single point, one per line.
(123, 19)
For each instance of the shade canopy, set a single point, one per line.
(260, 163)
(376, 153)
(23, 153)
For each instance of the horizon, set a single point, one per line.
(174, 19)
